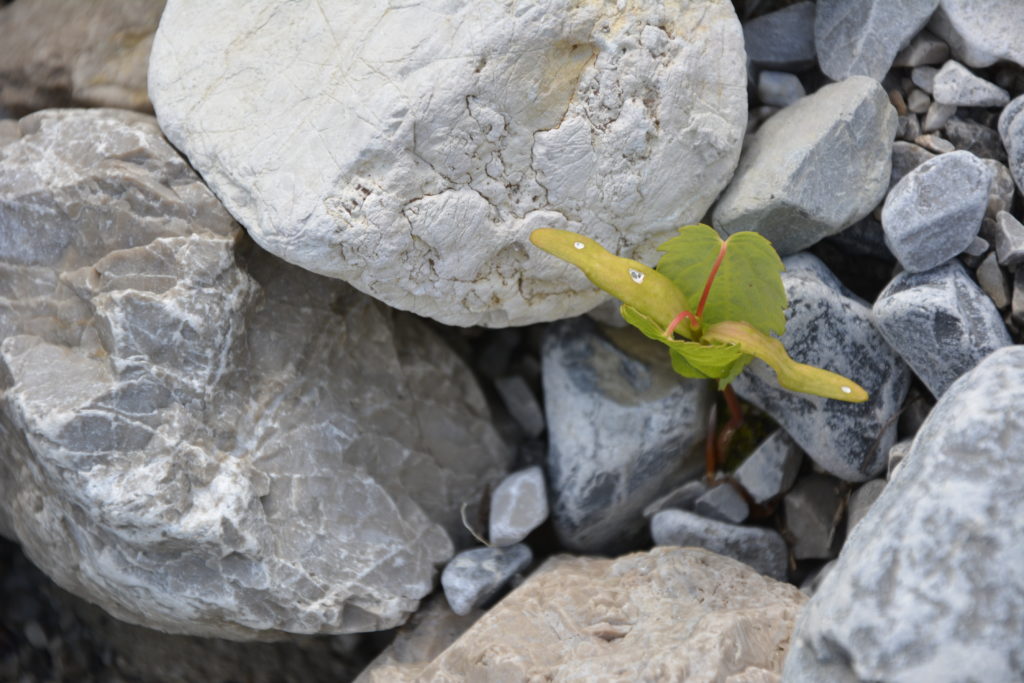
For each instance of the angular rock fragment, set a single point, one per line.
(761, 548)
(900, 604)
(813, 509)
(954, 84)
(681, 498)
(940, 322)
(655, 616)
(783, 39)
(521, 403)
(624, 429)
(979, 35)
(862, 37)
(861, 501)
(934, 211)
(906, 156)
(59, 54)
(786, 185)
(1009, 240)
(993, 281)
(723, 503)
(771, 469)
(200, 438)
(474, 576)
(973, 137)
(778, 88)
(829, 327)
(925, 48)
(411, 150)
(1011, 130)
(518, 506)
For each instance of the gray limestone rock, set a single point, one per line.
(1017, 298)
(519, 505)
(662, 615)
(973, 137)
(925, 48)
(940, 322)
(682, 498)
(771, 469)
(937, 116)
(783, 39)
(59, 54)
(624, 429)
(761, 548)
(813, 511)
(906, 156)
(474, 576)
(980, 34)
(930, 584)
(1009, 240)
(955, 84)
(862, 37)
(829, 327)
(778, 88)
(1011, 130)
(861, 501)
(924, 77)
(411, 149)
(1000, 197)
(935, 143)
(521, 403)
(723, 503)
(897, 453)
(918, 101)
(814, 168)
(908, 127)
(198, 437)
(934, 211)
(993, 282)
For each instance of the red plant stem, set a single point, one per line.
(694, 323)
(711, 278)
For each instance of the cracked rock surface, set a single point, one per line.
(411, 150)
(196, 436)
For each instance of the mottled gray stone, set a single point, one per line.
(993, 282)
(783, 39)
(980, 34)
(955, 84)
(862, 37)
(861, 501)
(1009, 240)
(908, 127)
(474, 576)
(624, 430)
(778, 88)
(521, 403)
(930, 584)
(816, 167)
(723, 503)
(897, 453)
(761, 548)
(918, 101)
(411, 149)
(937, 116)
(924, 77)
(940, 322)
(681, 498)
(934, 212)
(813, 509)
(935, 143)
(771, 469)
(973, 137)
(518, 506)
(906, 156)
(830, 327)
(198, 437)
(58, 54)
(1000, 195)
(1011, 130)
(924, 49)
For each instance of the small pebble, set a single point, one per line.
(778, 88)
(521, 404)
(771, 469)
(1009, 240)
(474, 576)
(918, 101)
(861, 501)
(934, 143)
(955, 84)
(812, 516)
(924, 49)
(519, 505)
(924, 77)
(993, 282)
(975, 252)
(908, 127)
(1017, 300)
(937, 116)
(723, 503)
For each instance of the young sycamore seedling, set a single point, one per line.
(740, 302)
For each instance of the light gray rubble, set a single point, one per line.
(955, 84)
(771, 469)
(199, 437)
(813, 512)
(474, 576)
(519, 505)
(980, 34)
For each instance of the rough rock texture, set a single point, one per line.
(426, 635)
(940, 322)
(930, 584)
(203, 440)
(56, 53)
(814, 168)
(829, 327)
(411, 149)
(934, 212)
(980, 34)
(624, 429)
(668, 614)
(862, 37)
(519, 505)
(474, 576)
(761, 548)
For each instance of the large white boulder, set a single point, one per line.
(411, 149)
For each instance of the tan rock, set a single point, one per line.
(671, 614)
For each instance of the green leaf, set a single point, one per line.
(747, 285)
(691, 359)
(790, 374)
